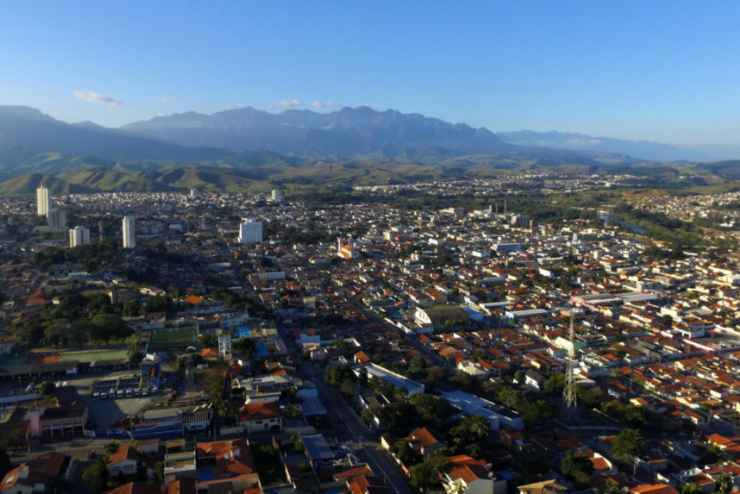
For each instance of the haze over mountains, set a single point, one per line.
(649, 150)
(344, 134)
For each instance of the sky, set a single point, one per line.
(657, 70)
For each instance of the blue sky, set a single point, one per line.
(667, 71)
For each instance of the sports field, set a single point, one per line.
(173, 339)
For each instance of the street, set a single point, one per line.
(355, 434)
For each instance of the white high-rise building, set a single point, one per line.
(42, 201)
(57, 220)
(277, 196)
(250, 231)
(224, 346)
(78, 236)
(129, 232)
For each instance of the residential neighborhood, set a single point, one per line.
(501, 338)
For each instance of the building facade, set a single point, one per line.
(129, 232)
(78, 236)
(42, 201)
(250, 231)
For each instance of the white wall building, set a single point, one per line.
(42, 201)
(250, 231)
(78, 236)
(276, 196)
(129, 232)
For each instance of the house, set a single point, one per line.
(67, 419)
(724, 444)
(362, 480)
(465, 475)
(181, 486)
(534, 380)
(260, 416)
(361, 358)
(36, 476)
(134, 488)
(226, 466)
(319, 453)
(543, 487)
(124, 461)
(423, 441)
(653, 489)
(398, 381)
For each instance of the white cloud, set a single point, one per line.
(323, 105)
(93, 97)
(288, 104)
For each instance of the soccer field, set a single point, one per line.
(173, 339)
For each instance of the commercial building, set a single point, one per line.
(129, 232)
(250, 231)
(78, 236)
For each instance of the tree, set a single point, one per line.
(467, 435)
(724, 484)
(111, 447)
(106, 327)
(628, 444)
(215, 386)
(690, 488)
(554, 384)
(577, 468)
(399, 418)
(425, 475)
(404, 452)
(347, 387)
(432, 410)
(134, 349)
(95, 476)
(46, 388)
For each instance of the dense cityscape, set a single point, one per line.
(489, 339)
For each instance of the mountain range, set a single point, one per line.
(349, 132)
(344, 134)
(648, 150)
(246, 147)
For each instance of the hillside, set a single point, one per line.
(26, 132)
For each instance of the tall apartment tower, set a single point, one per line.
(78, 236)
(276, 196)
(250, 231)
(129, 232)
(57, 220)
(42, 201)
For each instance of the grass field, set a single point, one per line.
(173, 339)
(97, 355)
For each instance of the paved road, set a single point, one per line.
(355, 434)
